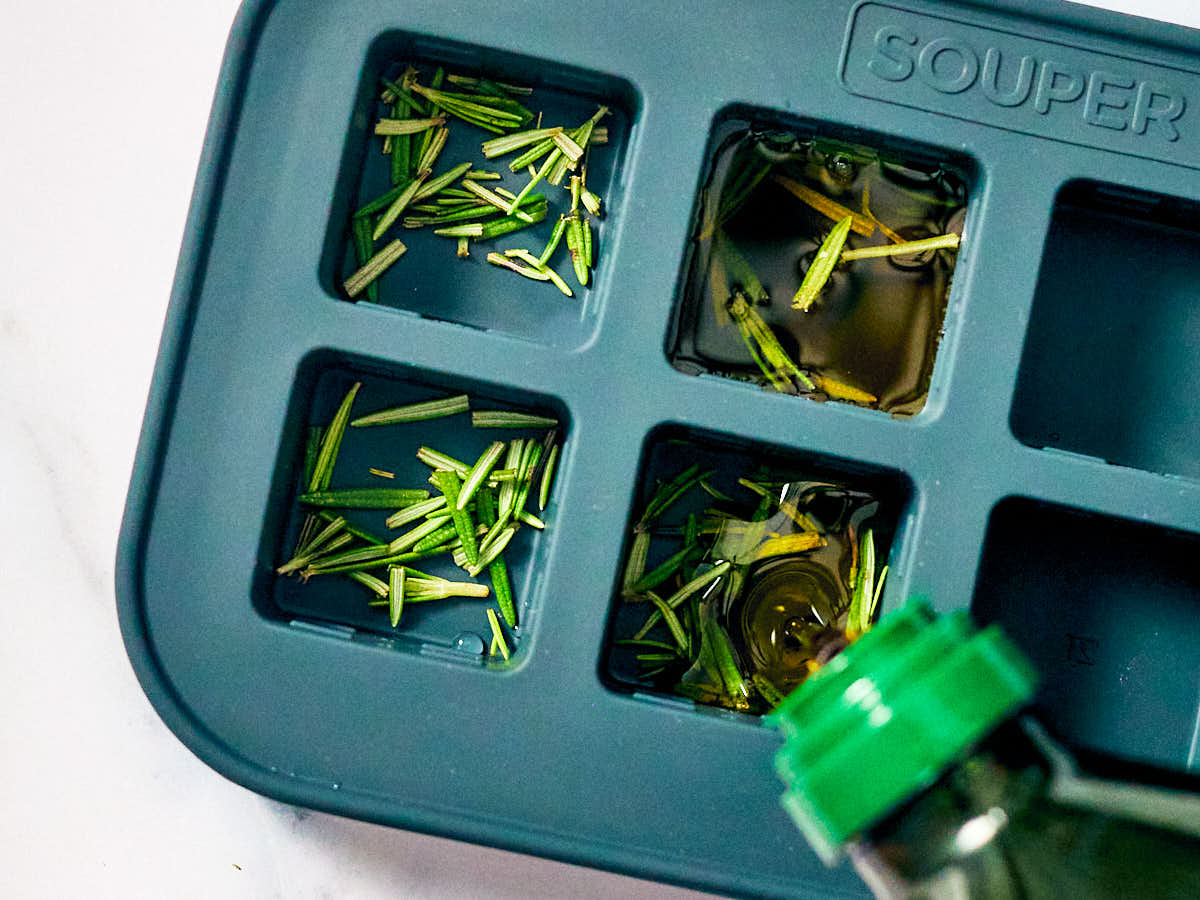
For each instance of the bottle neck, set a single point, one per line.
(959, 817)
(1003, 823)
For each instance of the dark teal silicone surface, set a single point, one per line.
(1068, 342)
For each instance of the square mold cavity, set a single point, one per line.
(429, 279)
(773, 189)
(783, 601)
(455, 625)
(1110, 367)
(1109, 610)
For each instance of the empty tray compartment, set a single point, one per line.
(777, 541)
(773, 190)
(384, 456)
(1109, 610)
(1109, 367)
(430, 279)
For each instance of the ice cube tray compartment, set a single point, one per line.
(1110, 367)
(321, 383)
(1109, 610)
(433, 281)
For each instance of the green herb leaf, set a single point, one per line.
(323, 468)
(395, 593)
(822, 267)
(661, 573)
(449, 485)
(858, 617)
(498, 418)
(364, 498)
(497, 634)
(510, 142)
(437, 460)
(376, 266)
(376, 585)
(415, 412)
(486, 462)
(547, 478)
(415, 511)
(405, 126)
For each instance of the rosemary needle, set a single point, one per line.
(415, 412)
(374, 267)
(498, 418)
(415, 511)
(831, 209)
(323, 468)
(497, 634)
(940, 242)
(437, 460)
(395, 593)
(499, 259)
(399, 205)
(507, 206)
(484, 465)
(510, 142)
(547, 478)
(822, 266)
(405, 126)
(434, 185)
(364, 498)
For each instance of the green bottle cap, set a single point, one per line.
(888, 715)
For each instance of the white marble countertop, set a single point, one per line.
(104, 111)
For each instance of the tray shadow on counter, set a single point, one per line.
(429, 279)
(1110, 367)
(322, 381)
(1109, 610)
